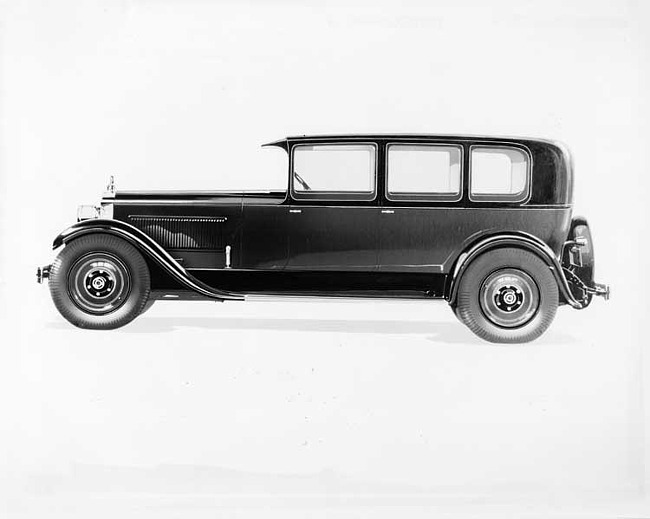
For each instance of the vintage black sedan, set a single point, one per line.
(484, 223)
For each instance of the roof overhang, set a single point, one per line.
(282, 143)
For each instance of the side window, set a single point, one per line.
(334, 171)
(499, 174)
(423, 172)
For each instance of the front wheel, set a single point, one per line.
(507, 296)
(99, 282)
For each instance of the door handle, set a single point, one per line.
(387, 211)
(295, 210)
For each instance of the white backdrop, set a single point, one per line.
(326, 406)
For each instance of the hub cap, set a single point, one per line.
(99, 283)
(509, 298)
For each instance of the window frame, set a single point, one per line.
(427, 197)
(338, 196)
(519, 198)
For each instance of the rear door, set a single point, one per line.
(423, 183)
(332, 214)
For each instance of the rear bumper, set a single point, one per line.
(578, 264)
(600, 289)
(583, 291)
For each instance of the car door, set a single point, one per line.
(332, 211)
(423, 182)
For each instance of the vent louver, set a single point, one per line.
(183, 232)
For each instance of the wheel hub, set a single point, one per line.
(509, 298)
(99, 283)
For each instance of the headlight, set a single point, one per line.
(90, 212)
(87, 212)
(106, 211)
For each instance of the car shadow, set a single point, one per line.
(445, 331)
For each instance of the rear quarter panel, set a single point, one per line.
(433, 238)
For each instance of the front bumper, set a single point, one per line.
(42, 273)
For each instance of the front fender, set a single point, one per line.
(148, 247)
(519, 240)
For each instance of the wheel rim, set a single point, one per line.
(509, 298)
(99, 283)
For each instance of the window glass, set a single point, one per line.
(423, 171)
(343, 169)
(499, 174)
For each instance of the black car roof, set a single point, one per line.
(283, 143)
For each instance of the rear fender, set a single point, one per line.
(148, 247)
(578, 252)
(578, 263)
(519, 240)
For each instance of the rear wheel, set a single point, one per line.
(99, 282)
(507, 296)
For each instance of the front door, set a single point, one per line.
(332, 211)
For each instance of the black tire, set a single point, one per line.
(454, 308)
(99, 282)
(147, 306)
(507, 296)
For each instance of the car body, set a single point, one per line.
(361, 215)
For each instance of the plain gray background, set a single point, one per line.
(316, 408)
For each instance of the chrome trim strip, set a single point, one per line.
(439, 207)
(156, 219)
(453, 205)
